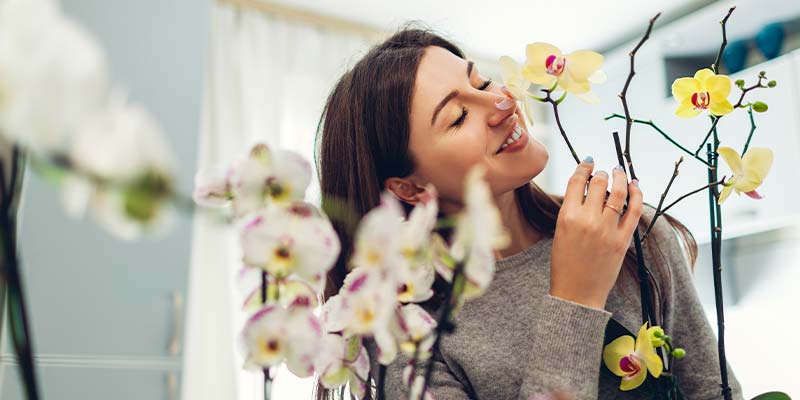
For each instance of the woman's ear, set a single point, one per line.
(405, 190)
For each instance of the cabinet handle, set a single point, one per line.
(172, 386)
(177, 322)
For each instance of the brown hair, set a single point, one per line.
(363, 139)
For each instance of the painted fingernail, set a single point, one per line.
(635, 182)
(588, 159)
(618, 168)
(504, 104)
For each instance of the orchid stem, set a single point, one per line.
(549, 99)
(443, 323)
(664, 134)
(716, 245)
(19, 326)
(623, 96)
(715, 120)
(663, 197)
(752, 129)
(715, 65)
(659, 213)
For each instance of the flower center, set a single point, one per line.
(630, 365)
(555, 64)
(271, 348)
(701, 100)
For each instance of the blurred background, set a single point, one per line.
(157, 319)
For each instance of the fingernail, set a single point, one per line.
(504, 104)
(635, 182)
(619, 168)
(588, 159)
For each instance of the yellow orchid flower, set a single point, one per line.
(546, 65)
(517, 85)
(632, 360)
(705, 91)
(748, 171)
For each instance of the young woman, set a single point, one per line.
(414, 111)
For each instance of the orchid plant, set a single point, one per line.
(61, 114)
(394, 263)
(705, 92)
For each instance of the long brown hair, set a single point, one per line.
(363, 138)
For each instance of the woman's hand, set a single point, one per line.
(591, 239)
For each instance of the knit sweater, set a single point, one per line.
(517, 341)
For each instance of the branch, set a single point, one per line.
(664, 134)
(623, 96)
(720, 182)
(663, 197)
(549, 99)
(715, 65)
(752, 129)
(710, 131)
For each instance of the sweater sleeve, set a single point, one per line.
(566, 349)
(698, 373)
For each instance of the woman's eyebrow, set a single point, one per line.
(450, 95)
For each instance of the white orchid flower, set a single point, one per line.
(264, 177)
(274, 335)
(53, 73)
(124, 150)
(479, 231)
(343, 361)
(296, 239)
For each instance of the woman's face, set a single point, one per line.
(456, 124)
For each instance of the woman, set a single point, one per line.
(414, 111)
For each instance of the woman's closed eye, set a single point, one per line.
(464, 111)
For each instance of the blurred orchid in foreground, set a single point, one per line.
(274, 335)
(748, 171)
(479, 232)
(574, 73)
(264, 177)
(343, 361)
(52, 74)
(297, 239)
(122, 171)
(516, 86)
(632, 360)
(704, 91)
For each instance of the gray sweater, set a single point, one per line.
(517, 341)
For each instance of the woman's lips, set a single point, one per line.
(518, 139)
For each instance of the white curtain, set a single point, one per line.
(267, 81)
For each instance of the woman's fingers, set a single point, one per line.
(619, 192)
(577, 183)
(596, 194)
(631, 218)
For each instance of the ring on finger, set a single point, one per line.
(615, 208)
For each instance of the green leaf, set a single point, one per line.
(772, 396)
(760, 107)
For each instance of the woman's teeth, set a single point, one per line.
(518, 132)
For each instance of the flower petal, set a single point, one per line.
(646, 352)
(632, 382)
(703, 74)
(718, 86)
(720, 107)
(615, 351)
(534, 68)
(757, 163)
(726, 191)
(583, 63)
(686, 109)
(684, 88)
(732, 158)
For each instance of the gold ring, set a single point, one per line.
(617, 210)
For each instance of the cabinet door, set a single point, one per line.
(95, 383)
(91, 294)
